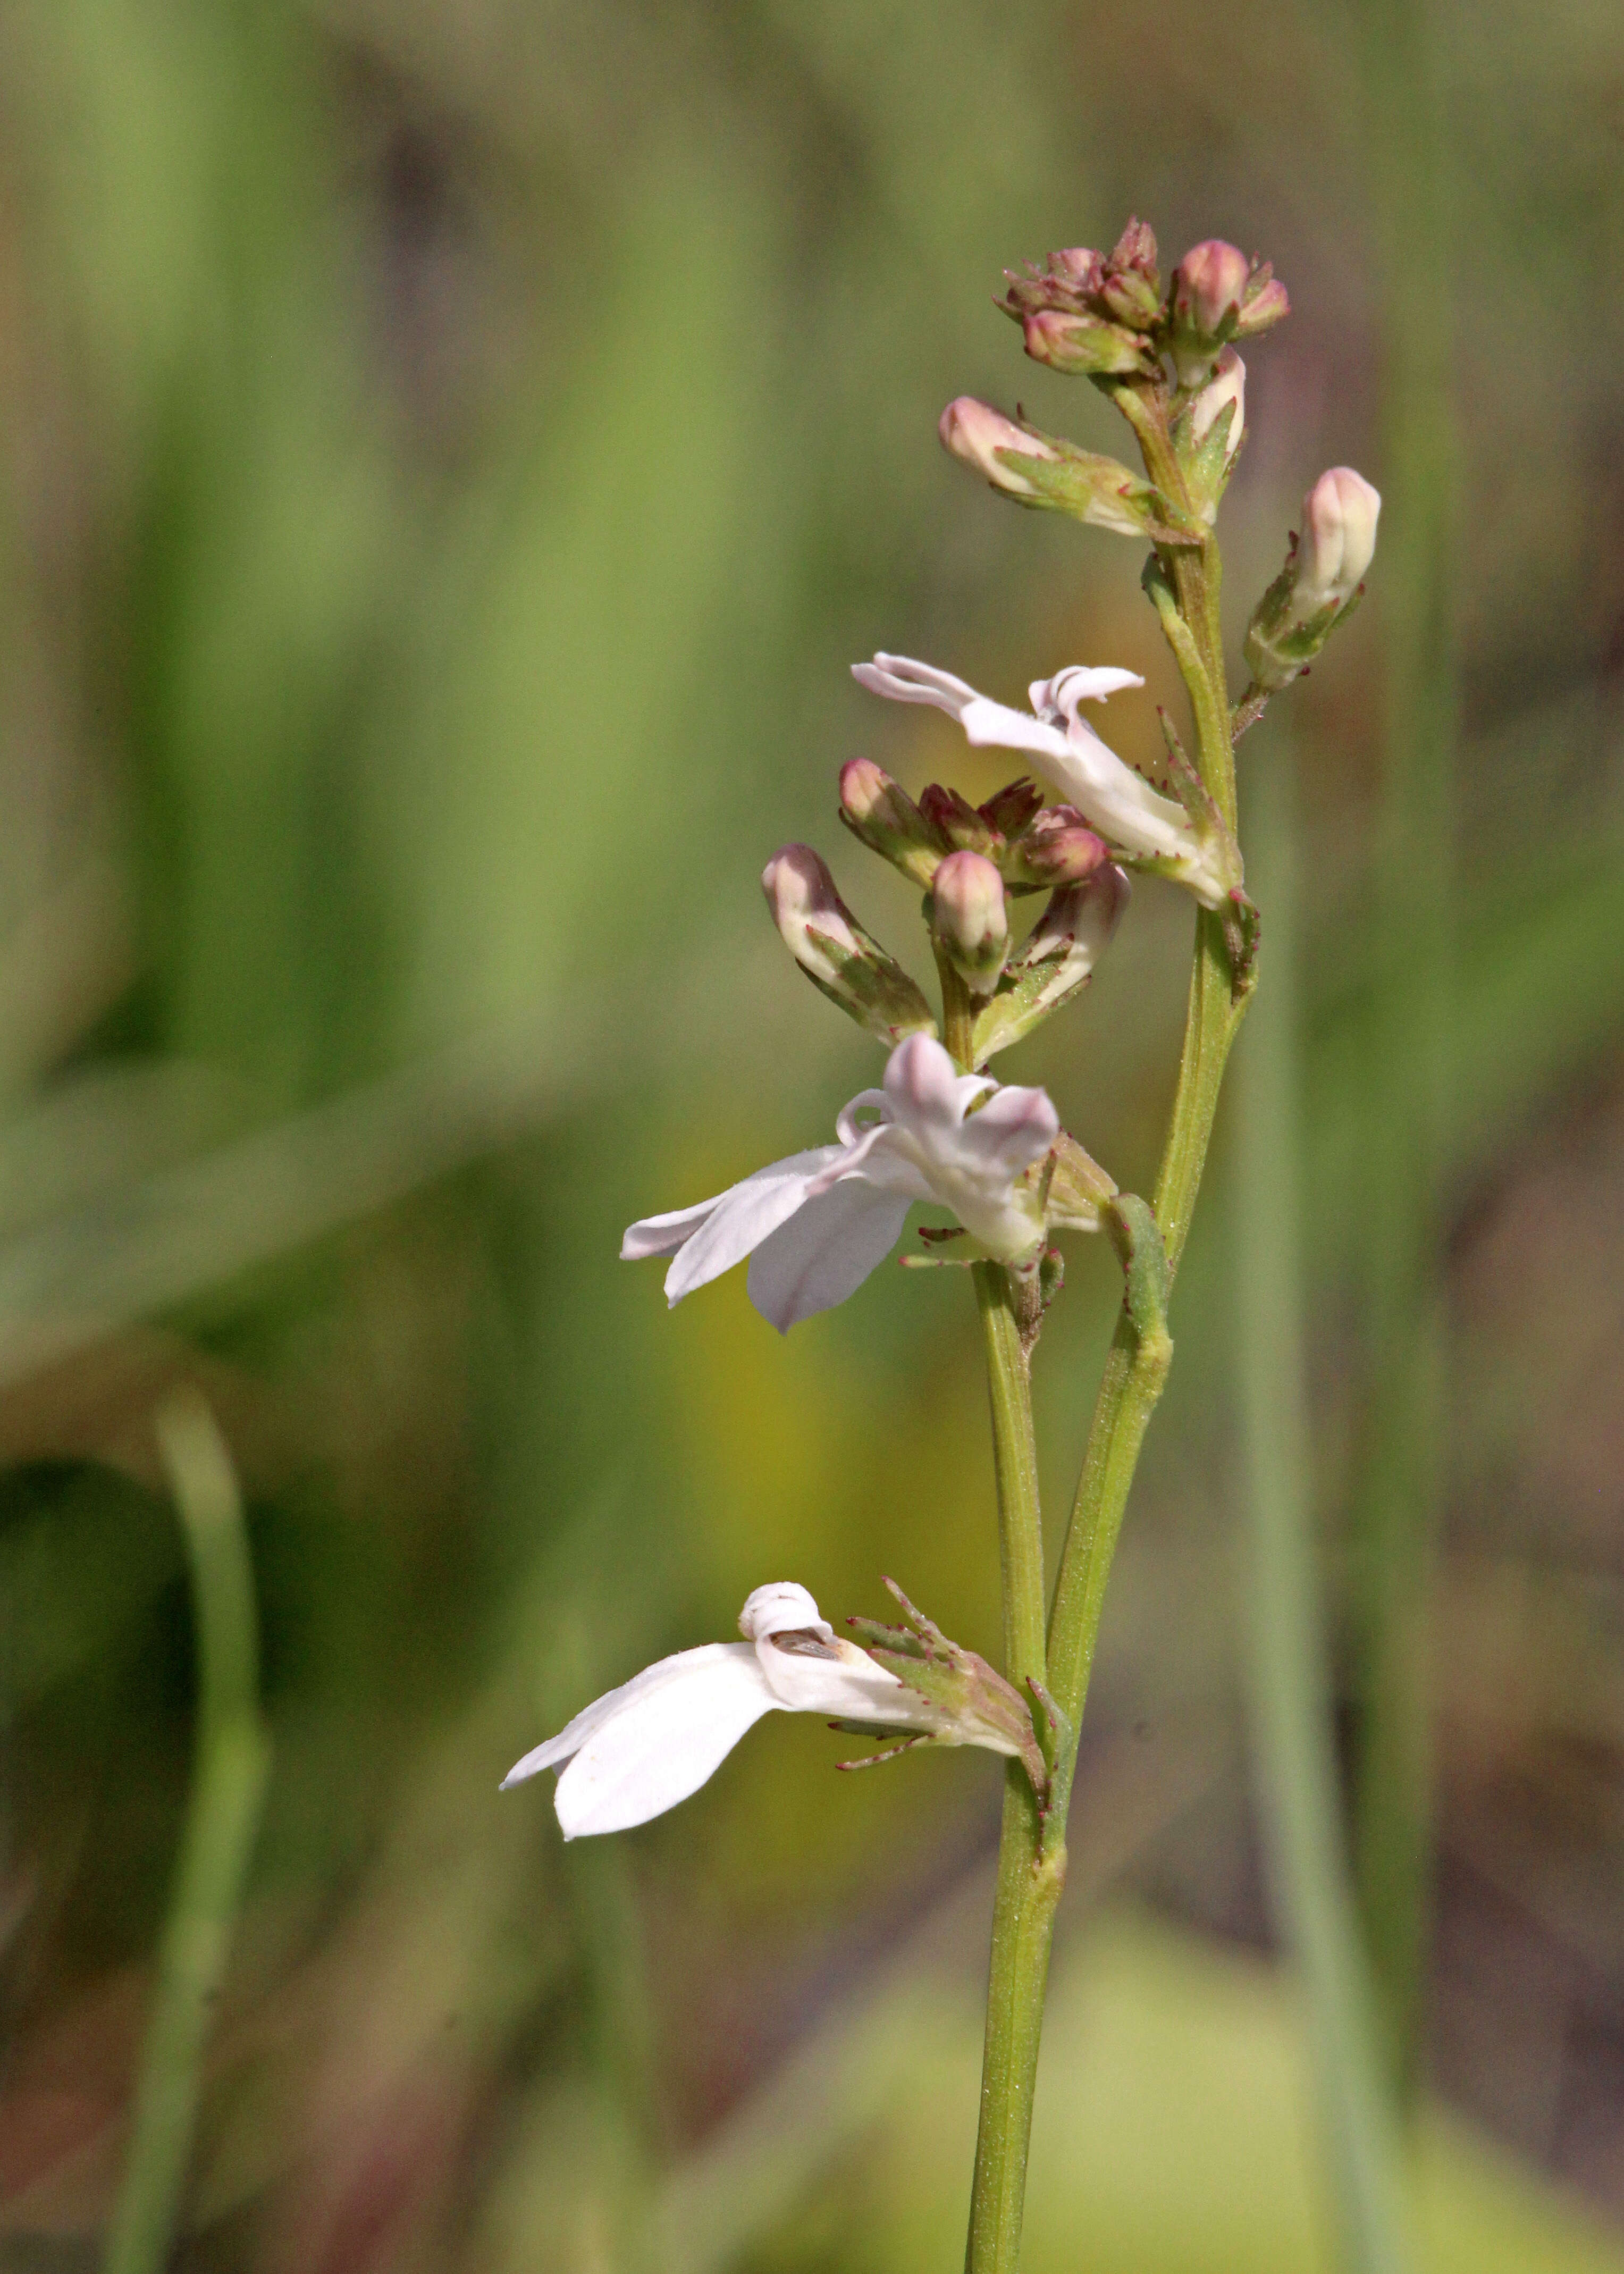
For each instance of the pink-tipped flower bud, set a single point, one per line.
(1058, 849)
(1321, 582)
(1208, 285)
(1135, 249)
(1055, 474)
(1081, 343)
(975, 432)
(1338, 542)
(881, 813)
(1226, 385)
(1219, 295)
(1081, 265)
(1054, 960)
(840, 958)
(969, 919)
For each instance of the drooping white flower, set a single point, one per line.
(639, 1750)
(1137, 820)
(816, 1225)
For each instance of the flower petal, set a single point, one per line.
(666, 1732)
(662, 1235)
(742, 1217)
(827, 1249)
(901, 680)
(1012, 1130)
(841, 1681)
(994, 726)
(781, 1605)
(850, 1130)
(1080, 682)
(926, 1086)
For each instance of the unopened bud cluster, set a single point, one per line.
(1168, 351)
(1110, 318)
(970, 862)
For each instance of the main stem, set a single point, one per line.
(1032, 1852)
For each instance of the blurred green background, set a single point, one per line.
(451, 457)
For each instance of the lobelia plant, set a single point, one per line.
(940, 1128)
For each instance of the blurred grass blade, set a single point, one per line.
(223, 1818)
(1287, 1665)
(176, 1234)
(1397, 1497)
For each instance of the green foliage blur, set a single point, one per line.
(451, 458)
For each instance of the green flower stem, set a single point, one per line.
(1004, 1314)
(1031, 1866)
(1288, 1662)
(1400, 1487)
(958, 1009)
(223, 1818)
(1032, 1853)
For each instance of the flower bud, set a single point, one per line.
(1052, 473)
(1058, 849)
(1339, 539)
(1011, 809)
(968, 919)
(1264, 303)
(975, 432)
(962, 827)
(1135, 251)
(1055, 959)
(1208, 285)
(1227, 385)
(1084, 344)
(1320, 583)
(1130, 300)
(1208, 457)
(837, 954)
(1218, 296)
(881, 813)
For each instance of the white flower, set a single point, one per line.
(641, 1748)
(815, 1225)
(1136, 819)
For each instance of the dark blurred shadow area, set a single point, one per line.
(452, 457)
